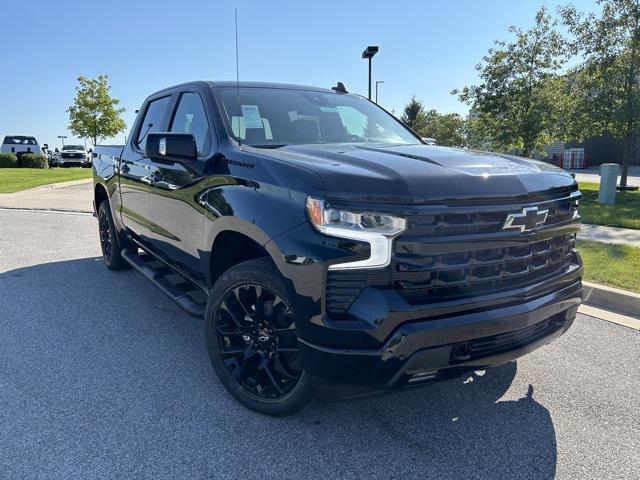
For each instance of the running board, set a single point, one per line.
(158, 274)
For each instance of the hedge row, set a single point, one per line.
(8, 160)
(27, 160)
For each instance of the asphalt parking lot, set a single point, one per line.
(101, 376)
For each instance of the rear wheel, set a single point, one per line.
(111, 243)
(252, 341)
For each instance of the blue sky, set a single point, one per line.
(427, 48)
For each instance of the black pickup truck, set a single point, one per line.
(327, 246)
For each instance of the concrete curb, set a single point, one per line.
(609, 298)
(48, 210)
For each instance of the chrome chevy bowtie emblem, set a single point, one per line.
(530, 219)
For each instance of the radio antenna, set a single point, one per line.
(238, 82)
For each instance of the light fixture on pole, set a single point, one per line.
(368, 53)
(62, 137)
(377, 83)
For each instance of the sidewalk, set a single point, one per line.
(75, 196)
(598, 233)
(592, 175)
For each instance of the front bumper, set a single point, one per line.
(443, 347)
(74, 161)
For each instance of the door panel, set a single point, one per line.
(177, 217)
(134, 178)
(176, 213)
(135, 170)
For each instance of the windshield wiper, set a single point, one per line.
(269, 145)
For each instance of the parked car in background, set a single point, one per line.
(20, 144)
(52, 158)
(74, 155)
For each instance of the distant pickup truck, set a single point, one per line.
(327, 246)
(74, 155)
(20, 144)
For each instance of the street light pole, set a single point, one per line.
(369, 82)
(62, 137)
(377, 83)
(368, 53)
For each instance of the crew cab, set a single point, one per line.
(74, 155)
(328, 247)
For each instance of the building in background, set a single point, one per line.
(592, 152)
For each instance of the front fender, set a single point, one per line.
(258, 212)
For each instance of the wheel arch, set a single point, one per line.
(237, 242)
(99, 195)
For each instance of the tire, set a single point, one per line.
(111, 243)
(251, 339)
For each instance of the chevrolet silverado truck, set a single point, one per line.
(325, 245)
(74, 155)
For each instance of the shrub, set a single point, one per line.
(33, 160)
(8, 160)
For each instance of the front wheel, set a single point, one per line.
(252, 342)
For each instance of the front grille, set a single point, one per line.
(72, 155)
(469, 262)
(449, 276)
(444, 224)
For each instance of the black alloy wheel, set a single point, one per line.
(111, 243)
(105, 235)
(257, 341)
(252, 339)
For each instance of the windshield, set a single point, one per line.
(276, 117)
(73, 147)
(20, 140)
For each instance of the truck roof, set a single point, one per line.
(246, 84)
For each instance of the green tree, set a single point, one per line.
(413, 115)
(605, 89)
(513, 100)
(95, 114)
(448, 129)
(477, 135)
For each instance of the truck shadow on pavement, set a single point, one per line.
(118, 377)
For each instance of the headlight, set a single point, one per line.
(376, 229)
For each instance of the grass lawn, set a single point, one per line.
(16, 179)
(625, 213)
(613, 265)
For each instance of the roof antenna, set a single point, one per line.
(238, 82)
(340, 88)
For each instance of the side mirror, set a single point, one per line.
(45, 146)
(171, 147)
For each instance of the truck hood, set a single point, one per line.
(423, 173)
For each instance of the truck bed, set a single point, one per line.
(105, 151)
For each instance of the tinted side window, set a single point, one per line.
(191, 118)
(152, 121)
